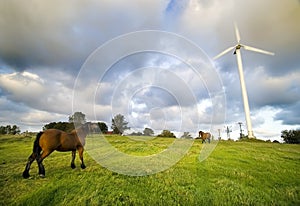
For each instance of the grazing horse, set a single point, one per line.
(54, 139)
(204, 136)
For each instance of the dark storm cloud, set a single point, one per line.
(290, 115)
(60, 34)
(10, 106)
(35, 34)
(274, 91)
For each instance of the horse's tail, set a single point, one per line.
(36, 146)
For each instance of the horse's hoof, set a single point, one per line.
(42, 175)
(26, 175)
(83, 166)
(73, 166)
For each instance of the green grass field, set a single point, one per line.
(236, 173)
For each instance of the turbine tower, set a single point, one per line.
(237, 52)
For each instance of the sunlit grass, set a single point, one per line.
(139, 145)
(236, 173)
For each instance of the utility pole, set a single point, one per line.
(228, 130)
(241, 131)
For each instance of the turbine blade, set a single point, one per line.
(249, 48)
(237, 33)
(224, 52)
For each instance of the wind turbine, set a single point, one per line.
(237, 52)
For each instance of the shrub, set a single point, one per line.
(291, 136)
(166, 133)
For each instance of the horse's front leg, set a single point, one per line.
(80, 152)
(73, 159)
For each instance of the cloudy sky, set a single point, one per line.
(151, 61)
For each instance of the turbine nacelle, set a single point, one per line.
(239, 46)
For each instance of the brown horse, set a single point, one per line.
(204, 136)
(54, 139)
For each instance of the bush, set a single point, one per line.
(166, 133)
(291, 136)
(64, 126)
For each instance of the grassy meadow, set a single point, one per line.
(236, 173)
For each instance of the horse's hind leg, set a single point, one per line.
(40, 162)
(80, 152)
(31, 158)
(73, 159)
(41, 168)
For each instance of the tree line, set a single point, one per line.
(95, 127)
(119, 125)
(10, 129)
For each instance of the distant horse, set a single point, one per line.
(204, 136)
(54, 139)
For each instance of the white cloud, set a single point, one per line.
(20, 86)
(37, 93)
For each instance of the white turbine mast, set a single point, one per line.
(237, 52)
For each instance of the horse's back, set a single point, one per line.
(204, 135)
(50, 138)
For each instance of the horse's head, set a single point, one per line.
(200, 133)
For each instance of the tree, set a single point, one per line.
(148, 132)
(77, 118)
(50, 125)
(291, 136)
(15, 130)
(103, 127)
(2, 130)
(166, 133)
(8, 129)
(119, 125)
